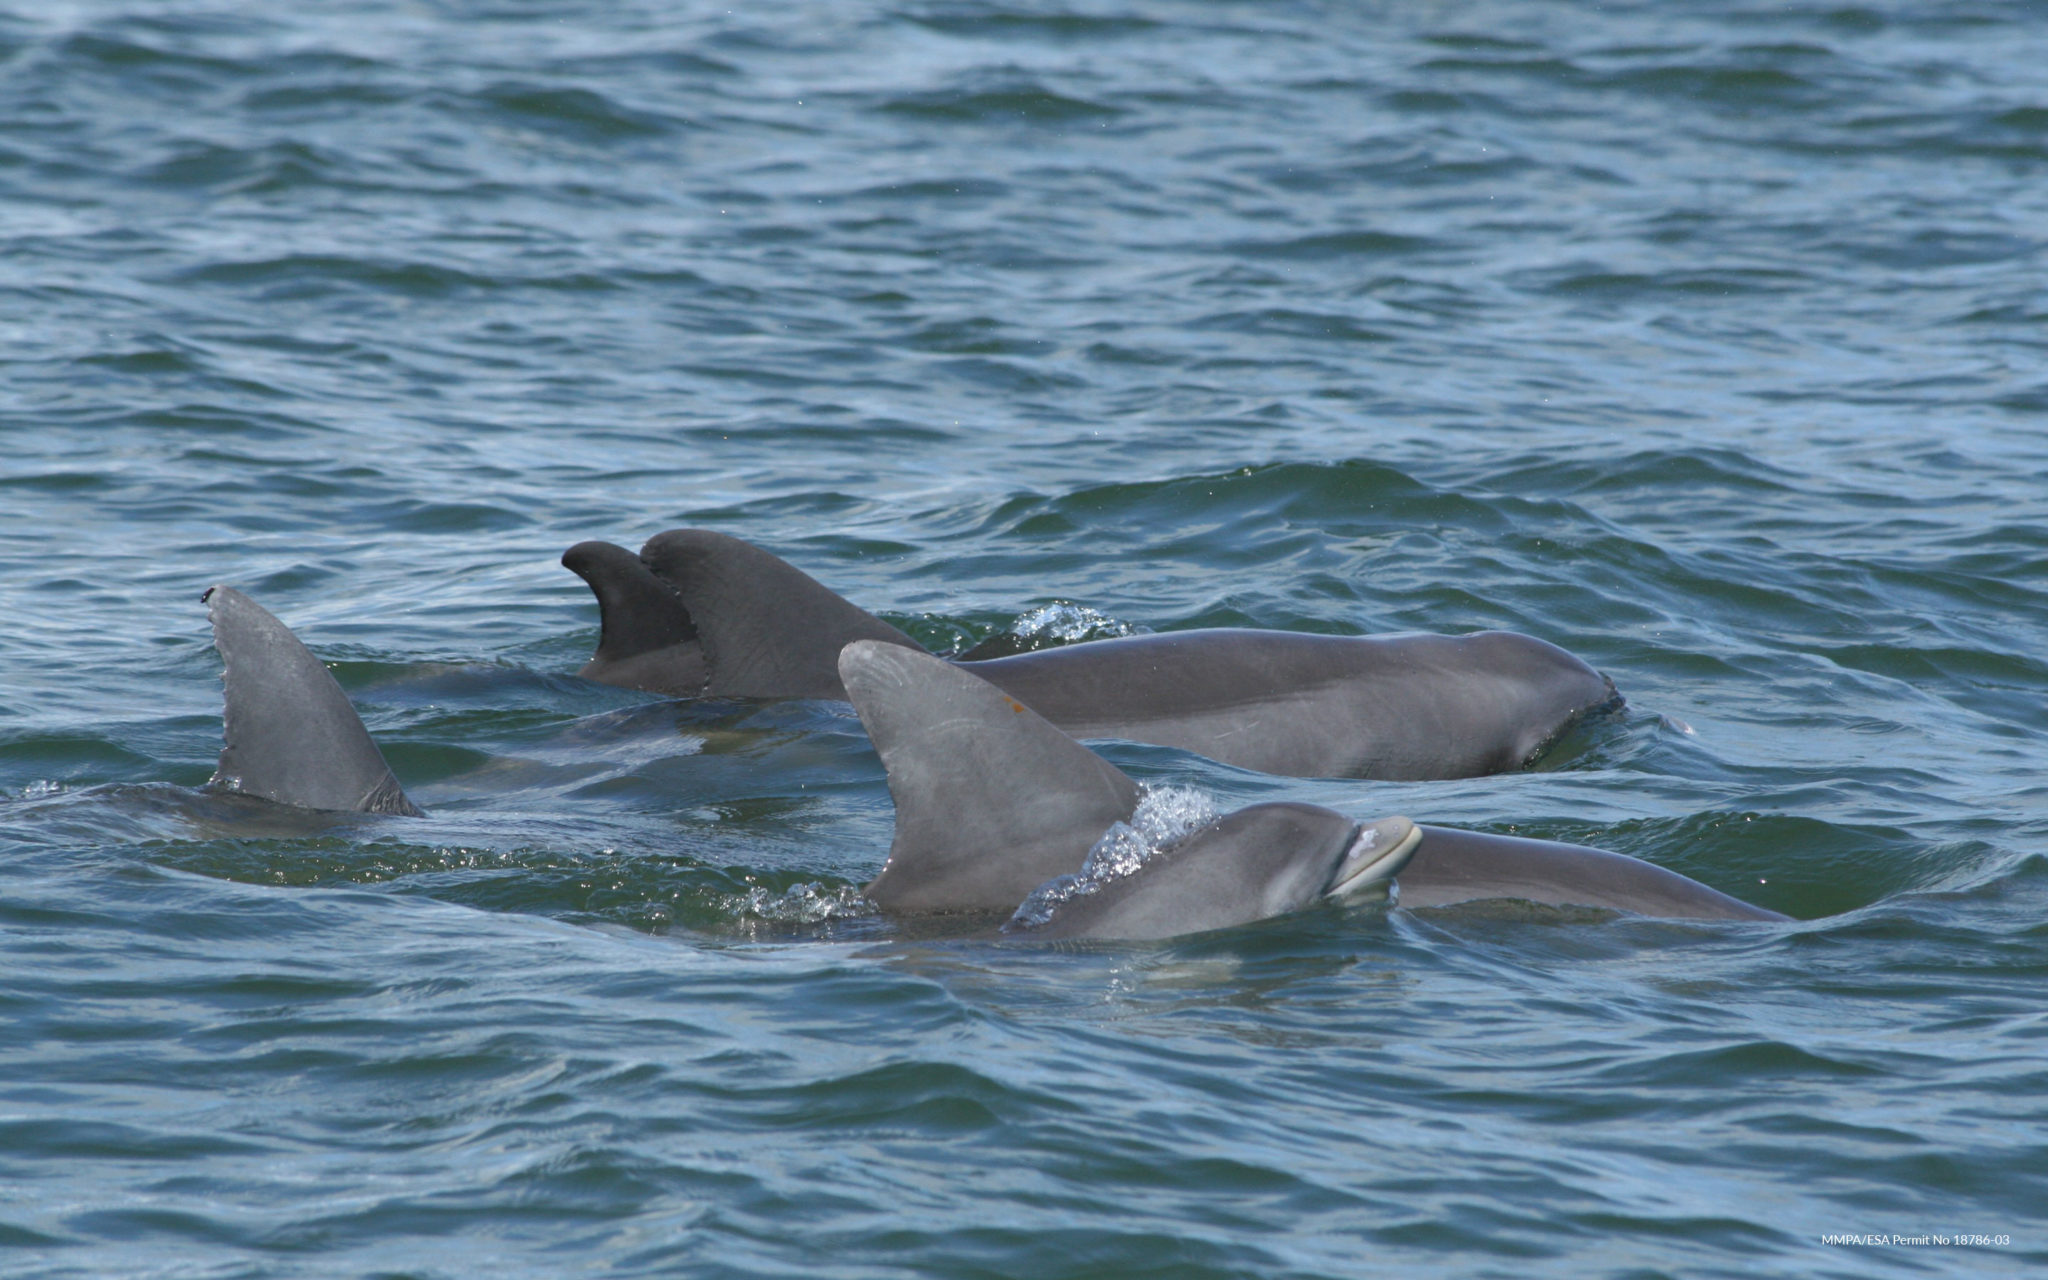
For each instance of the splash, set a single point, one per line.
(1065, 623)
(1165, 816)
(806, 903)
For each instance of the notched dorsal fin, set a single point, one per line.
(290, 734)
(991, 800)
(638, 612)
(769, 629)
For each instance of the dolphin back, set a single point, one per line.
(290, 734)
(769, 629)
(648, 639)
(991, 800)
(1463, 866)
(1388, 707)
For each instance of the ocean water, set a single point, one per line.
(1706, 340)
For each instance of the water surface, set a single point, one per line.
(1704, 340)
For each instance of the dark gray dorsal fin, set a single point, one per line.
(769, 629)
(648, 641)
(638, 612)
(991, 800)
(290, 734)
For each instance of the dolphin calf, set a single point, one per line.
(994, 805)
(1392, 707)
(289, 733)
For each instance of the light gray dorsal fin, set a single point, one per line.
(991, 800)
(637, 611)
(769, 629)
(290, 734)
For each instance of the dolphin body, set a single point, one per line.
(1393, 707)
(289, 733)
(993, 801)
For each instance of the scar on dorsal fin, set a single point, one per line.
(991, 800)
(647, 639)
(769, 629)
(289, 733)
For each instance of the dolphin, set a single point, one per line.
(1263, 861)
(646, 638)
(994, 804)
(289, 732)
(1390, 707)
(1452, 866)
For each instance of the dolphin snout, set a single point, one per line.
(1375, 855)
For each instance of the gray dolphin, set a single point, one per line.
(1452, 866)
(646, 638)
(1263, 861)
(993, 802)
(289, 733)
(1393, 707)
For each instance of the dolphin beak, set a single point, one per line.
(1376, 854)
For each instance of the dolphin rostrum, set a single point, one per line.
(289, 733)
(1393, 707)
(993, 803)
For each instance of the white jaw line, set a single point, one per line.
(1380, 869)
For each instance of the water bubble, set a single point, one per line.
(1067, 623)
(1165, 816)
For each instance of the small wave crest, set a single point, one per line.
(811, 902)
(1067, 623)
(1165, 816)
(1049, 626)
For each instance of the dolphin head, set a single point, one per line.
(1258, 862)
(1376, 854)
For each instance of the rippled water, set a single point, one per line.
(1704, 340)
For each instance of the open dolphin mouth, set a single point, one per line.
(1376, 854)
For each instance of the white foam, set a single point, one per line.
(1165, 816)
(806, 903)
(1066, 623)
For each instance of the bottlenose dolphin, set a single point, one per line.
(1393, 707)
(289, 733)
(646, 638)
(993, 801)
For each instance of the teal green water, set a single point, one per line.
(1704, 340)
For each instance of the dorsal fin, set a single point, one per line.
(637, 611)
(991, 800)
(289, 732)
(648, 639)
(769, 629)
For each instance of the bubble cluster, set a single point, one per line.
(808, 903)
(1066, 623)
(1165, 816)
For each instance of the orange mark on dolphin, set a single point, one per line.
(1015, 705)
